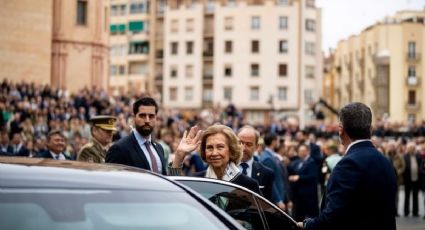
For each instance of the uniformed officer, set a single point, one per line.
(102, 131)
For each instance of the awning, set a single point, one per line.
(136, 26)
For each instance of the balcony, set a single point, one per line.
(208, 78)
(413, 107)
(413, 81)
(208, 54)
(413, 57)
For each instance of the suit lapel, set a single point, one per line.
(255, 172)
(137, 155)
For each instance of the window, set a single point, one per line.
(283, 2)
(117, 70)
(255, 23)
(309, 71)
(228, 47)
(227, 93)
(283, 70)
(283, 46)
(189, 71)
(174, 26)
(228, 23)
(412, 71)
(173, 93)
(282, 93)
(310, 48)
(188, 93)
(137, 7)
(139, 48)
(122, 10)
(207, 94)
(255, 70)
(174, 48)
(114, 10)
(173, 71)
(231, 3)
(189, 25)
(308, 96)
(210, 6)
(283, 23)
(255, 46)
(189, 47)
(227, 70)
(273, 216)
(81, 12)
(310, 25)
(412, 50)
(412, 97)
(254, 93)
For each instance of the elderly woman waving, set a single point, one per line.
(219, 147)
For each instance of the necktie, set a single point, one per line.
(152, 156)
(244, 167)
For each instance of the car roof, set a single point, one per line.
(47, 173)
(216, 181)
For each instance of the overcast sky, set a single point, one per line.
(342, 18)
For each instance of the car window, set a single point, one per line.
(89, 210)
(275, 218)
(237, 203)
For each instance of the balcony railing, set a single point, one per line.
(413, 81)
(413, 57)
(208, 53)
(413, 107)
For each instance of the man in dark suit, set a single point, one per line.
(362, 187)
(56, 146)
(248, 139)
(304, 185)
(17, 146)
(5, 148)
(139, 149)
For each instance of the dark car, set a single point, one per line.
(47, 194)
(248, 208)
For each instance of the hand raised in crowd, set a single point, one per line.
(189, 143)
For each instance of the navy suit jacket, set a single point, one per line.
(46, 154)
(407, 176)
(265, 177)
(360, 193)
(127, 151)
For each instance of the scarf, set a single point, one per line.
(230, 172)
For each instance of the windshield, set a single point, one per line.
(102, 209)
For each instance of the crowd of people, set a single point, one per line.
(295, 165)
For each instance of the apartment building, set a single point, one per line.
(61, 43)
(382, 67)
(264, 56)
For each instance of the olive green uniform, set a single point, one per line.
(92, 152)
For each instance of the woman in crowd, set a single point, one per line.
(220, 149)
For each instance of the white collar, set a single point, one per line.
(140, 138)
(355, 142)
(230, 172)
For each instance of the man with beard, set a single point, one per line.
(139, 149)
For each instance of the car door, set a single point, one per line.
(276, 219)
(238, 203)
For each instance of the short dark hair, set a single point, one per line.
(356, 119)
(269, 138)
(54, 132)
(145, 101)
